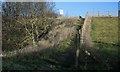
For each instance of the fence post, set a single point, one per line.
(105, 13)
(98, 14)
(108, 13)
(87, 14)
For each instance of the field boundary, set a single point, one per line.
(86, 41)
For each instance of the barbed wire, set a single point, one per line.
(109, 13)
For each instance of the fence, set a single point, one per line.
(103, 13)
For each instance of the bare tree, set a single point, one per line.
(29, 19)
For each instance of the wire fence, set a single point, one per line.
(103, 13)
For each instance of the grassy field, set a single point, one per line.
(104, 33)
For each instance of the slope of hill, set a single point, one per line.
(104, 35)
(54, 51)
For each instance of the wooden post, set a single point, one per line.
(108, 13)
(86, 14)
(78, 47)
(98, 14)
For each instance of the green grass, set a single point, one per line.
(105, 30)
(104, 35)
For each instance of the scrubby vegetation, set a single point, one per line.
(25, 23)
(33, 37)
(61, 55)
